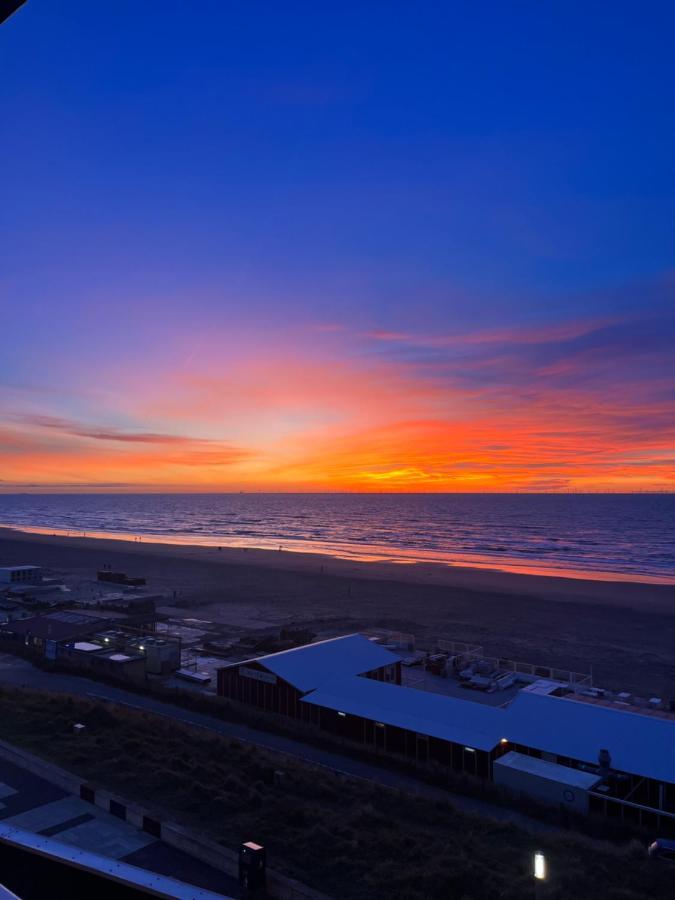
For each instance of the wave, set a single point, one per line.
(622, 534)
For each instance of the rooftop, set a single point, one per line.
(549, 770)
(56, 626)
(641, 744)
(122, 657)
(419, 679)
(437, 715)
(309, 666)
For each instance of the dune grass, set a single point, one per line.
(343, 836)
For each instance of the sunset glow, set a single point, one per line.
(227, 270)
(513, 412)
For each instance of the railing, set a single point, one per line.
(457, 648)
(474, 653)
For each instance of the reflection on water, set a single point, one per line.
(601, 535)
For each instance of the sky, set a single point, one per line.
(354, 246)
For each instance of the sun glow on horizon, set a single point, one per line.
(547, 410)
(309, 252)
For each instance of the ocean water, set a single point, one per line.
(611, 535)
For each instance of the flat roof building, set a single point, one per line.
(562, 748)
(434, 715)
(20, 574)
(54, 626)
(641, 744)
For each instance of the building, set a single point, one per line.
(278, 681)
(546, 781)
(162, 655)
(16, 575)
(549, 743)
(42, 634)
(631, 755)
(419, 725)
(119, 578)
(103, 660)
(95, 641)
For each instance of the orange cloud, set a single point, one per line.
(561, 407)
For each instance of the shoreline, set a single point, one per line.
(616, 590)
(353, 553)
(621, 631)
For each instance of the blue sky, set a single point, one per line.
(177, 169)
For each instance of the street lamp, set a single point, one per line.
(540, 866)
(540, 871)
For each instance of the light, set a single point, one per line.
(344, 715)
(379, 724)
(504, 741)
(142, 647)
(469, 750)
(539, 866)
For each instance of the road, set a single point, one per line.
(21, 673)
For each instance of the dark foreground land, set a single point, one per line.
(345, 837)
(624, 632)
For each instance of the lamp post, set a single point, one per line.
(540, 872)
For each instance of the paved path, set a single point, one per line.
(20, 672)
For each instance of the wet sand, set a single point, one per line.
(624, 631)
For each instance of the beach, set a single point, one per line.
(542, 619)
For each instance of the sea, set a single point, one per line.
(614, 536)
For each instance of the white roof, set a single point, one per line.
(87, 646)
(641, 744)
(474, 724)
(312, 665)
(550, 771)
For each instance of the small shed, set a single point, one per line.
(545, 781)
